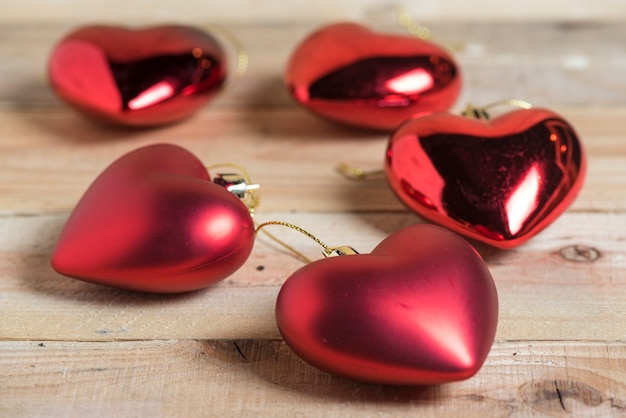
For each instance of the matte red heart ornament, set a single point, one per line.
(145, 77)
(153, 221)
(498, 181)
(349, 74)
(421, 309)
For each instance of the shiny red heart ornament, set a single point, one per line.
(499, 182)
(142, 77)
(154, 222)
(347, 73)
(421, 309)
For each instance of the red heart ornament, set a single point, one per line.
(142, 77)
(421, 309)
(349, 74)
(154, 222)
(499, 181)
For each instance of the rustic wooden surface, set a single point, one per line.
(69, 348)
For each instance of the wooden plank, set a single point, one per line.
(248, 11)
(263, 378)
(48, 159)
(69, 348)
(565, 284)
(546, 63)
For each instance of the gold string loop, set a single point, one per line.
(328, 251)
(523, 104)
(482, 112)
(243, 59)
(356, 173)
(406, 20)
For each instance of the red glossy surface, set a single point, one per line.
(500, 181)
(421, 309)
(347, 73)
(143, 77)
(154, 222)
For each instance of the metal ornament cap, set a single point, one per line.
(154, 222)
(498, 181)
(350, 74)
(144, 77)
(420, 309)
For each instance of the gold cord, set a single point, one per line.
(356, 173)
(509, 102)
(243, 59)
(328, 251)
(481, 112)
(406, 20)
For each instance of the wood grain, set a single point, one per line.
(253, 378)
(66, 153)
(69, 348)
(248, 11)
(547, 63)
(547, 288)
(259, 126)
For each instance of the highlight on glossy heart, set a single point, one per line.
(421, 309)
(143, 77)
(153, 221)
(499, 181)
(350, 74)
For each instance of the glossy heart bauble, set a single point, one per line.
(153, 221)
(421, 309)
(347, 73)
(143, 77)
(500, 181)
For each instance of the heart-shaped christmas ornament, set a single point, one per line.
(144, 77)
(153, 221)
(499, 181)
(347, 73)
(421, 309)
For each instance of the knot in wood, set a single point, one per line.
(555, 397)
(579, 253)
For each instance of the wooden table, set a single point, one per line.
(69, 348)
